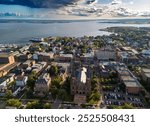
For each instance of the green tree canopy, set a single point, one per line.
(53, 70)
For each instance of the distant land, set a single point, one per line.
(47, 21)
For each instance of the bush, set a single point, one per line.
(47, 106)
(33, 105)
(14, 103)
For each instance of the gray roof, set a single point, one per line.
(146, 70)
(132, 84)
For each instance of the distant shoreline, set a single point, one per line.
(21, 31)
(118, 21)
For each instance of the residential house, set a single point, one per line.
(145, 73)
(21, 81)
(42, 85)
(64, 57)
(4, 83)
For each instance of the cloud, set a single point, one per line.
(39, 3)
(95, 8)
(116, 2)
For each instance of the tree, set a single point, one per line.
(31, 80)
(14, 103)
(56, 82)
(8, 94)
(62, 94)
(47, 106)
(29, 93)
(127, 106)
(53, 70)
(94, 82)
(67, 84)
(33, 105)
(54, 91)
(94, 97)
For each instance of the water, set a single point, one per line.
(14, 32)
(21, 31)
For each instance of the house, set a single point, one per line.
(21, 81)
(128, 57)
(145, 73)
(42, 85)
(27, 64)
(38, 67)
(43, 56)
(88, 57)
(64, 57)
(4, 83)
(146, 53)
(24, 56)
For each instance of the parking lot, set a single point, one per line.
(111, 98)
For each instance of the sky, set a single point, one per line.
(139, 5)
(79, 9)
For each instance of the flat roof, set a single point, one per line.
(147, 75)
(66, 55)
(4, 55)
(1, 65)
(146, 70)
(132, 84)
(127, 78)
(2, 79)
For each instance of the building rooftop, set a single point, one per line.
(147, 75)
(146, 52)
(89, 55)
(132, 84)
(127, 78)
(43, 79)
(66, 55)
(20, 78)
(2, 79)
(146, 70)
(83, 75)
(46, 54)
(4, 55)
